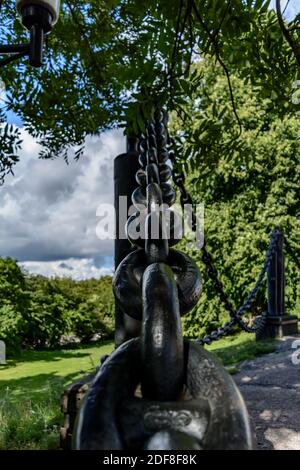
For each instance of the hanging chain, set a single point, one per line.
(155, 283)
(248, 302)
(236, 315)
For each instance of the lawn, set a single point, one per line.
(30, 390)
(30, 387)
(234, 349)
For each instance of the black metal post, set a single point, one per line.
(125, 168)
(13, 48)
(36, 46)
(275, 281)
(278, 324)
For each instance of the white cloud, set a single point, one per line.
(290, 8)
(48, 209)
(75, 268)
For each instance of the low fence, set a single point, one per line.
(274, 322)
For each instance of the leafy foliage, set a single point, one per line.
(10, 144)
(248, 188)
(108, 63)
(36, 312)
(14, 300)
(47, 315)
(92, 307)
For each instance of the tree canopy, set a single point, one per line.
(108, 62)
(37, 312)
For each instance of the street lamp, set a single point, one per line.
(38, 16)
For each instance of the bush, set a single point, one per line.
(13, 303)
(47, 315)
(36, 311)
(93, 311)
(11, 327)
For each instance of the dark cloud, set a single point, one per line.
(65, 266)
(48, 210)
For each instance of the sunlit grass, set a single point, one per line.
(30, 392)
(31, 386)
(234, 349)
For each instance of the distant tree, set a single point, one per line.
(13, 303)
(36, 311)
(92, 309)
(46, 318)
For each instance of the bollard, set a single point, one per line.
(125, 168)
(278, 323)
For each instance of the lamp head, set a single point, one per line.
(38, 16)
(42, 13)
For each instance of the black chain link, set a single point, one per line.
(248, 302)
(185, 198)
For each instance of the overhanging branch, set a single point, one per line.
(286, 33)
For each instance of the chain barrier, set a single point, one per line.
(236, 315)
(215, 335)
(180, 382)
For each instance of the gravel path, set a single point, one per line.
(271, 388)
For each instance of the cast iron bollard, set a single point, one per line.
(278, 323)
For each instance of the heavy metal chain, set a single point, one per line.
(154, 283)
(180, 384)
(236, 315)
(248, 302)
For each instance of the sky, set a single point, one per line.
(48, 209)
(292, 9)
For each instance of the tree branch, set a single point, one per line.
(221, 62)
(286, 5)
(286, 33)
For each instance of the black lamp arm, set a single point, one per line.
(12, 58)
(34, 49)
(14, 48)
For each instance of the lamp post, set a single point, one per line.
(38, 17)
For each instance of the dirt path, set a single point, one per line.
(271, 388)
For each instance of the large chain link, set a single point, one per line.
(154, 283)
(236, 315)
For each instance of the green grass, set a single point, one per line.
(30, 391)
(234, 349)
(31, 386)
